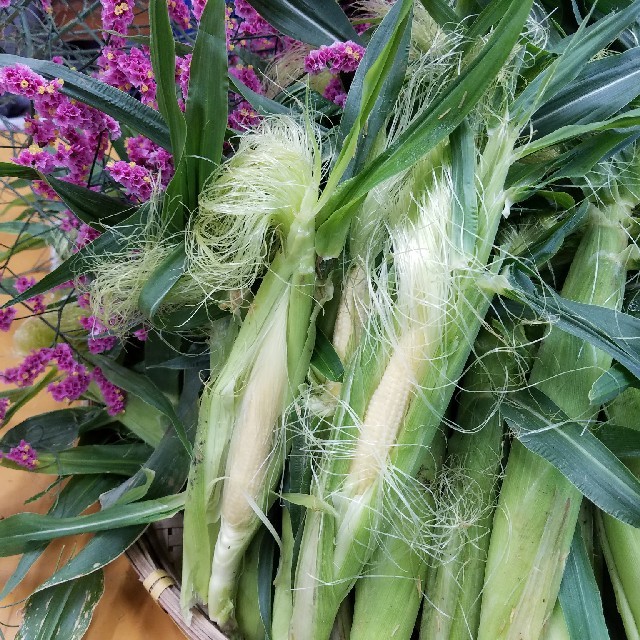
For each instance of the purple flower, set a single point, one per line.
(4, 405)
(72, 386)
(25, 374)
(335, 92)
(142, 334)
(135, 178)
(243, 117)
(24, 455)
(5, 3)
(6, 318)
(179, 12)
(19, 79)
(247, 76)
(338, 57)
(114, 397)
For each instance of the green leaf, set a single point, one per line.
(622, 441)
(90, 206)
(207, 102)
(325, 359)
(442, 13)
(170, 462)
(438, 119)
(627, 120)
(119, 459)
(263, 105)
(64, 611)
(315, 22)
(542, 248)
(614, 332)
(581, 457)
(464, 215)
(137, 493)
(579, 595)
(199, 362)
(103, 97)
(54, 430)
(140, 386)
(578, 49)
(598, 92)
(22, 532)
(371, 76)
(265, 581)
(79, 493)
(161, 281)
(111, 241)
(163, 60)
(611, 384)
(12, 170)
(366, 86)
(488, 17)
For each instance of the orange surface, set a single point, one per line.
(126, 611)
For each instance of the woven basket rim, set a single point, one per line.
(160, 577)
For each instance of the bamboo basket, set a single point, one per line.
(157, 558)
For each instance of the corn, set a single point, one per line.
(454, 587)
(538, 507)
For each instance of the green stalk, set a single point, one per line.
(538, 507)
(388, 598)
(454, 589)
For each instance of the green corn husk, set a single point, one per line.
(454, 588)
(556, 628)
(240, 439)
(388, 598)
(333, 552)
(538, 508)
(250, 623)
(620, 541)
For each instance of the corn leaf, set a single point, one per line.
(163, 60)
(579, 595)
(441, 12)
(622, 441)
(611, 384)
(542, 248)
(23, 532)
(90, 206)
(599, 91)
(614, 332)
(628, 120)
(142, 387)
(79, 493)
(12, 170)
(439, 118)
(161, 281)
(325, 359)
(583, 459)
(54, 430)
(116, 103)
(112, 240)
(206, 109)
(314, 22)
(64, 611)
(170, 463)
(372, 74)
(266, 561)
(119, 459)
(262, 104)
(386, 95)
(464, 214)
(577, 50)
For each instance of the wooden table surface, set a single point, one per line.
(126, 611)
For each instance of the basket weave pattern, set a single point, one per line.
(157, 558)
